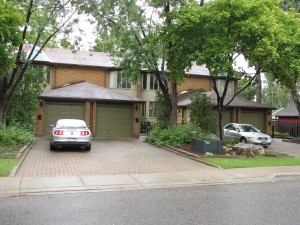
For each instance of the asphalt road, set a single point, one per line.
(273, 203)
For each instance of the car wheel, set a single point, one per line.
(52, 147)
(88, 148)
(243, 140)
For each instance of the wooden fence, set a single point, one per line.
(290, 127)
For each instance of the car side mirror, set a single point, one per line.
(52, 125)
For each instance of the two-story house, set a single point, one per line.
(87, 85)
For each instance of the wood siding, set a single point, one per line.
(195, 82)
(66, 74)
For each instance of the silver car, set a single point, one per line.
(247, 133)
(70, 133)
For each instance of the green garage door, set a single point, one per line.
(255, 118)
(55, 111)
(114, 121)
(227, 116)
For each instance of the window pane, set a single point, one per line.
(152, 109)
(151, 82)
(144, 77)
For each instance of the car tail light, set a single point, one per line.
(58, 132)
(84, 133)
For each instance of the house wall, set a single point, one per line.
(39, 122)
(136, 120)
(195, 82)
(62, 75)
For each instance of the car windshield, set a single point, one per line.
(70, 124)
(247, 128)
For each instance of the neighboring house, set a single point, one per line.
(239, 110)
(87, 85)
(288, 121)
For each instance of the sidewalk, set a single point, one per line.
(20, 186)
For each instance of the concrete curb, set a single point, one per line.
(189, 155)
(21, 155)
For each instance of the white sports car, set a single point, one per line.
(70, 133)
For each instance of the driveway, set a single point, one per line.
(278, 145)
(107, 157)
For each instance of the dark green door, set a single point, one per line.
(114, 121)
(55, 111)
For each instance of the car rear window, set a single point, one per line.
(71, 124)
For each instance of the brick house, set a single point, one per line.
(87, 85)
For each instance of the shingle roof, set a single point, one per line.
(88, 58)
(87, 91)
(237, 101)
(290, 110)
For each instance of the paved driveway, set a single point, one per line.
(107, 157)
(292, 149)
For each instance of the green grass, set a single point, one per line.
(259, 161)
(9, 151)
(6, 165)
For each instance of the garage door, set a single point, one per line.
(255, 118)
(55, 111)
(114, 121)
(227, 117)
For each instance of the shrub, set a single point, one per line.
(202, 113)
(174, 135)
(12, 135)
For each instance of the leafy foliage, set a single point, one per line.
(220, 31)
(174, 135)
(202, 113)
(162, 111)
(275, 94)
(23, 105)
(249, 92)
(10, 21)
(12, 135)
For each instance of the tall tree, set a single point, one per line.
(286, 69)
(130, 31)
(275, 94)
(34, 22)
(217, 33)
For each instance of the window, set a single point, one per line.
(144, 109)
(144, 80)
(153, 83)
(152, 109)
(121, 83)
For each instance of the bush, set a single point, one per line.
(174, 135)
(202, 113)
(13, 135)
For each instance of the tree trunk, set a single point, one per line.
(258, 88)
(296, 99)
(3, 109)
(173, 114)
(220, 123)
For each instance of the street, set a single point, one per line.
(268, 203)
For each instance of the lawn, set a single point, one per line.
(6, 165)
(259, 161)
(8, 159)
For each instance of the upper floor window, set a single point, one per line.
(121, 83)
(144, 80)
(43, 71)
(221, 85)
(153, 83)
(149, 82)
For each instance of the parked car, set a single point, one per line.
(70, 133)
(247, 133)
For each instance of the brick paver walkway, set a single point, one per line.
(107, 157)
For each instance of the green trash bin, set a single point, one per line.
(204, 146)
